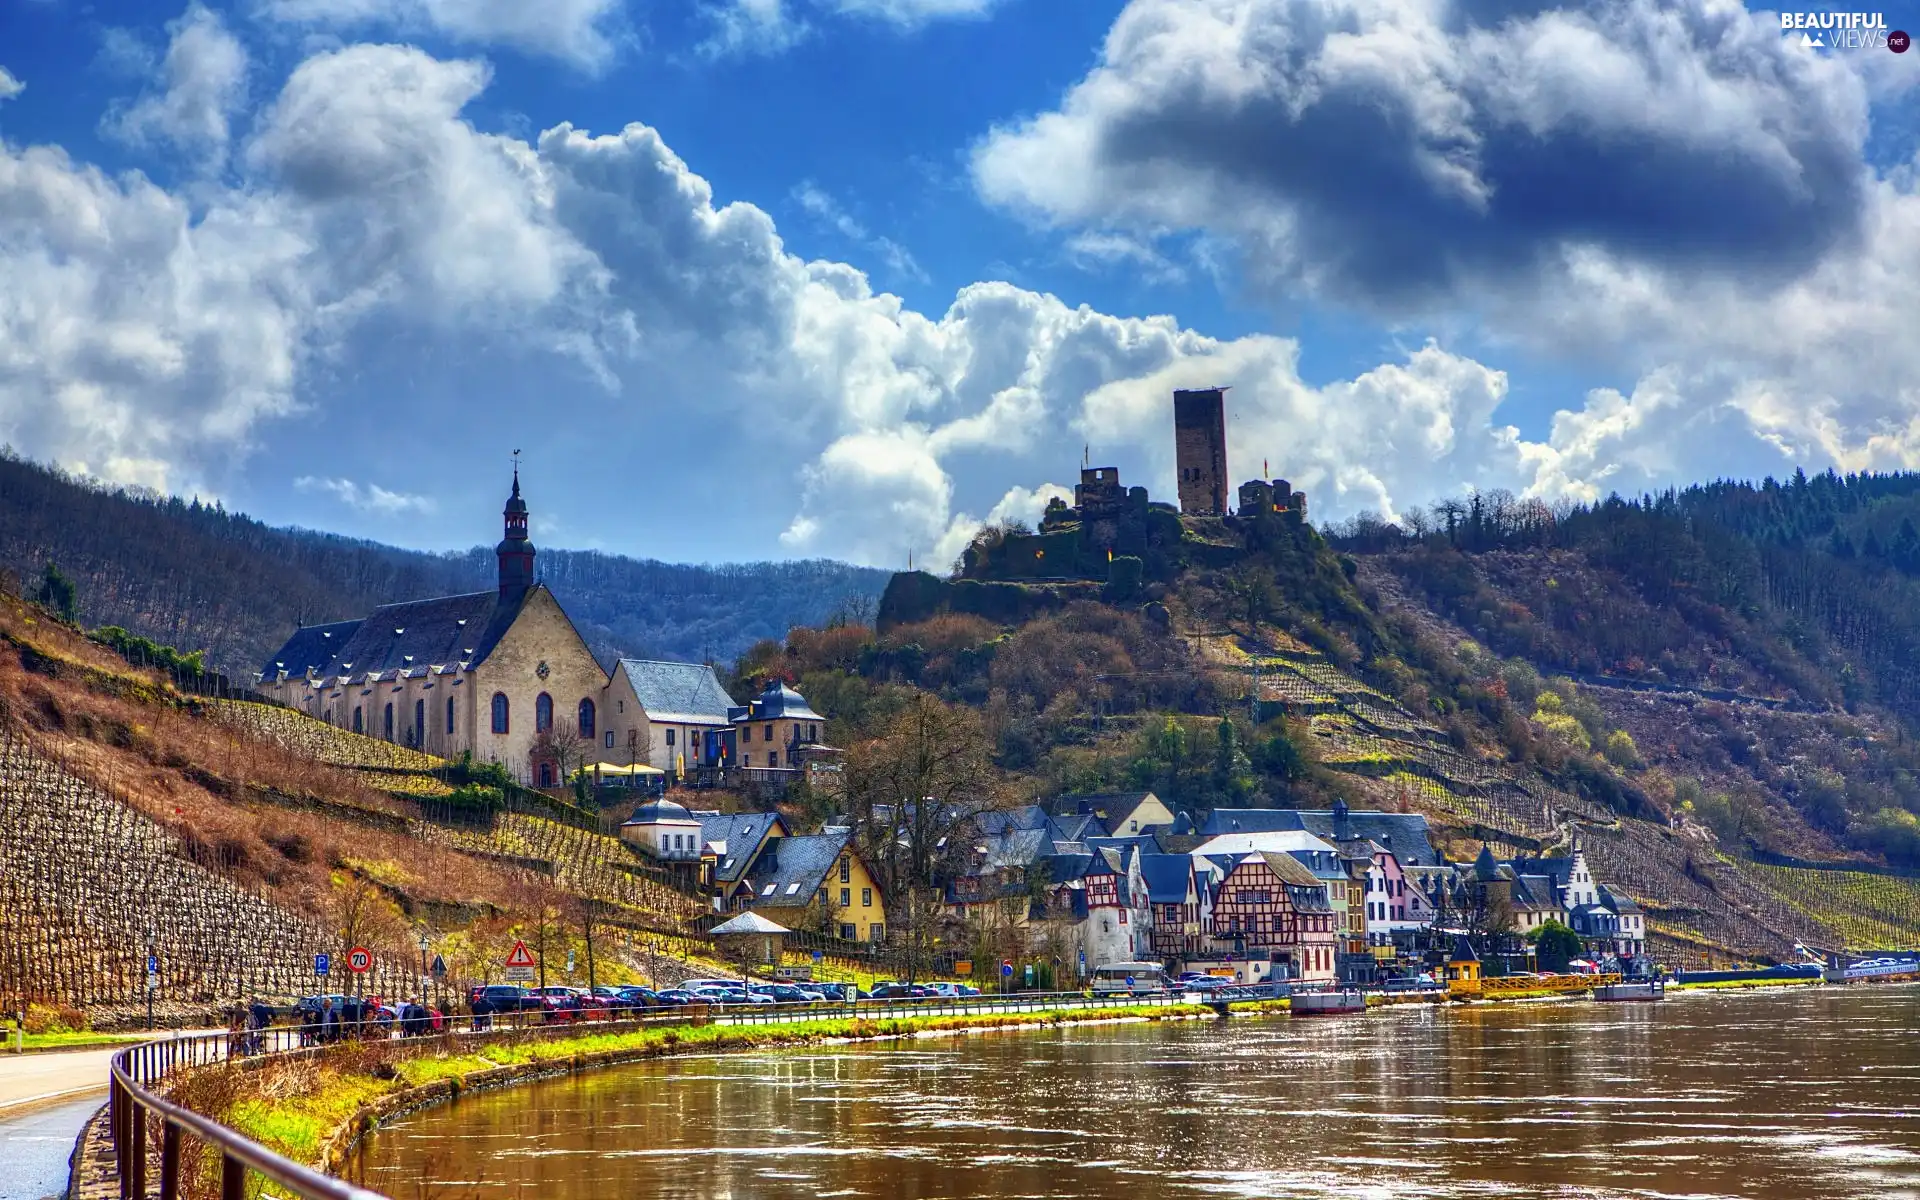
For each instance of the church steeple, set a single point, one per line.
(515, 551)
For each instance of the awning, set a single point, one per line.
(619, 771)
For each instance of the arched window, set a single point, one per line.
(419, 722)
(449, 716)
(359, 722)
(543, 713)
(499, 712)
(586, 718)
(387, 729)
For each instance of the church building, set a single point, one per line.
(502, 674)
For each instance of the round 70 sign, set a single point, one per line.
(359, 960)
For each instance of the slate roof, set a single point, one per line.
(313, 648)
(998, 820)
(688, 693)
(740, 833)
(1560, 870)
(1619, 902)
(1403, 833)
(662, 810)
(1290, 869)
(1078, 827)
(1065, 868)
(1166, 877)
(1109, 807)
(793, 868)
(444, 631)
(1015, 848)
(778, 701)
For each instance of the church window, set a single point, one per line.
(386, 730)
(546, 775)
(619, 706)
(359, 722)
(500, 712)
(633, 738)
(609, 739)
(449, 716)
(586, 718)
(419, 722)
(542, 713)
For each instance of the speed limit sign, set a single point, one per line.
(359, 960)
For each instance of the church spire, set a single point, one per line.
(515, 551)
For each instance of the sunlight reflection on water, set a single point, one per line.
(1782, 1094)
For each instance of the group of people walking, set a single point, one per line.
(331, 1022)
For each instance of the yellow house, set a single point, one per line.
(817, 881)
(775, 729)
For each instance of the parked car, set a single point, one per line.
(562, 1003)
(782, 993)
(502, 997)
(903, 991)
(676, 997)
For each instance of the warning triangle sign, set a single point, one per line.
(520, 956)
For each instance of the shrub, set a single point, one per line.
(1621, 751)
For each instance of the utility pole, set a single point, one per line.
(589, 922)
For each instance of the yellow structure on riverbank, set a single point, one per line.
(1471, 985)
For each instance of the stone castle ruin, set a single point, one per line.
(1111, 531)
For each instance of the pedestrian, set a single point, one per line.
(482, 1010)
(329, 1021)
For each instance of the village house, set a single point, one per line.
(1272, 921)
(730, 845)
(659, 713)
(816, 881)
(1180, 903)
(1118, 814)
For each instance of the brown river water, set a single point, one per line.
(1793, 1093)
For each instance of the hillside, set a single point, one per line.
(198, 577)
(245, 839)
(1732, 792)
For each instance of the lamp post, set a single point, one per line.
(424, 947)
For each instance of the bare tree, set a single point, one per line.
(913, 795)
(569, 752)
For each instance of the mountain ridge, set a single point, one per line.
(197, 576)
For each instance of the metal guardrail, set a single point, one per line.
(134, 1108)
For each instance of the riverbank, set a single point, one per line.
(314, 1107)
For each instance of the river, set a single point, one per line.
(1805, 1093)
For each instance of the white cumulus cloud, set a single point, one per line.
(202, 85)
(585, 33)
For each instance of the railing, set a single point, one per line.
(133, 1106)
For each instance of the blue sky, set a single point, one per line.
(774, 278)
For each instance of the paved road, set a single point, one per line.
(32, 1078)
(45, 1099)
(35, 1145)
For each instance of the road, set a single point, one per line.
(45, 1099)
(35, 1145)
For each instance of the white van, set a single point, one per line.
(1129, 979)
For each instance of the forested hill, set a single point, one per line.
(1806, 589)
(199, 577)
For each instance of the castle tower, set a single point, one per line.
(1200, 450)
(515, 551)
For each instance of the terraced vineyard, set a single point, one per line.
(87, 878)
(588, 864)
(1865, 911)
(314, 738)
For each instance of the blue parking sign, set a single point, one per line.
(322, 964)
(153, 964)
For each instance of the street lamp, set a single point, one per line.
(424, 947)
